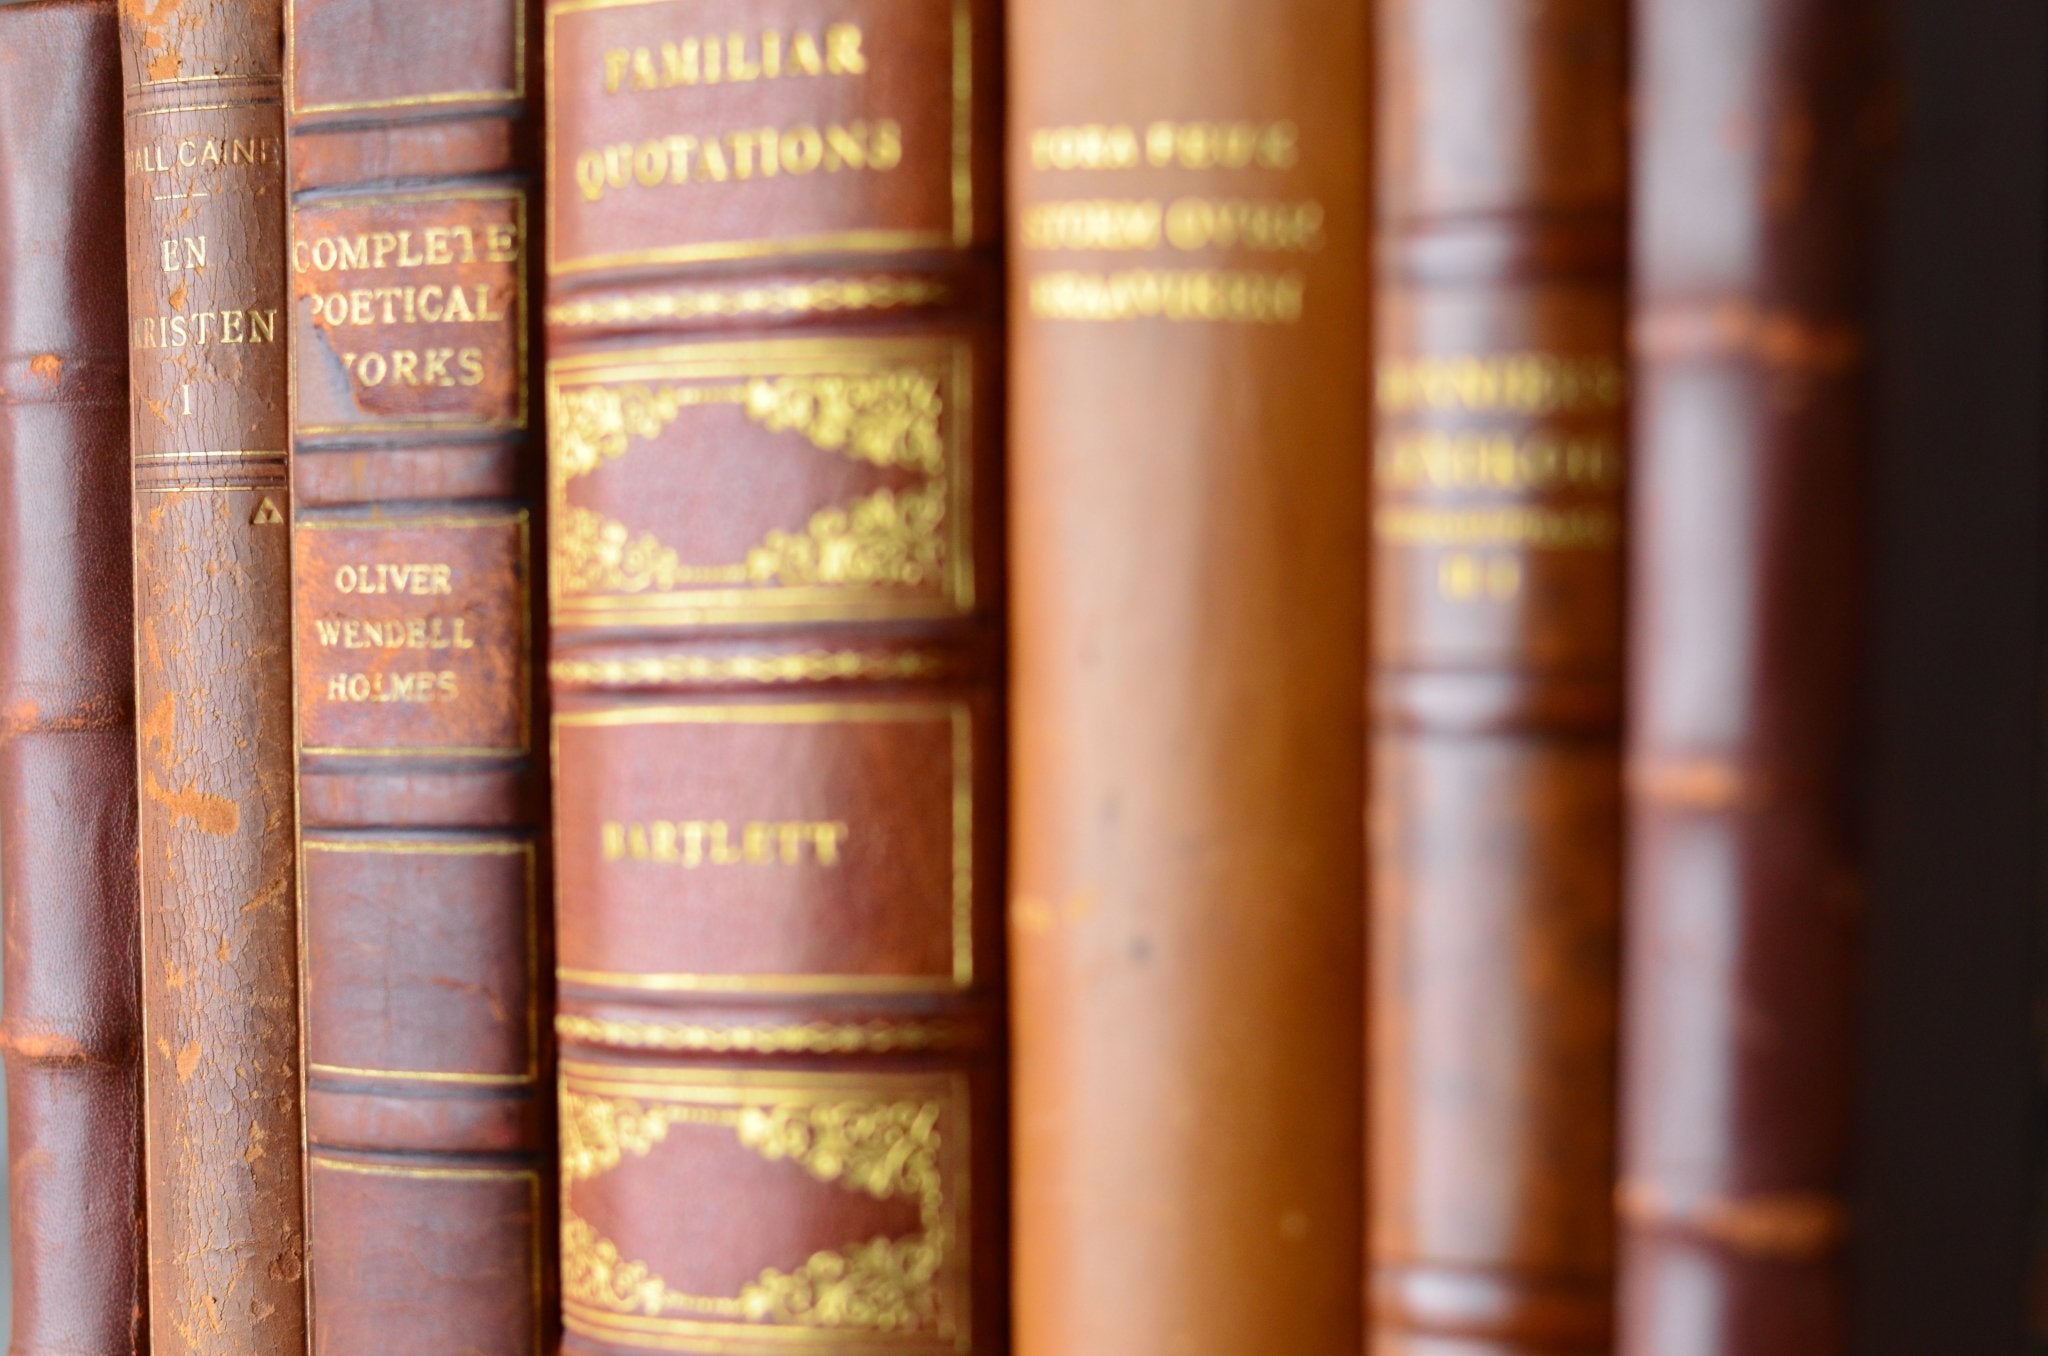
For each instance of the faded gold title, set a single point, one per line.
(692, 843)
(1236, 152)
(1490, 460)
(433, 633)
(335, 258)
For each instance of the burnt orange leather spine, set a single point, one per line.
(72, 1036)
(1496, 684)
(1759, 142)
(207, 377)
(1188, 483)
(774, 402)
(415, 147)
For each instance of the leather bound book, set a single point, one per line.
(207, 373)
(72, 1035)
(1189, 462)
(1760, 135)
(416, 467)
(774, 413)
(1496, 684)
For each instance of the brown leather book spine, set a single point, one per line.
(414, 150)
(72, 1034)
(1187, 511)
(1759, 140)
(775, 598)
(220, 994)
(1496, 676)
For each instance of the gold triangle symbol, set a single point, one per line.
(266, 513)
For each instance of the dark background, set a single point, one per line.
(1951, 1120)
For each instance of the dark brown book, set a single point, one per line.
(1759, 136)
(775, 589)
(414, 146)
(220, 994)
(1187, 516)
(72, 1036)
(1497, 676)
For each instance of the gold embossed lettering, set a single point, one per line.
(733, 58)
(695, 843)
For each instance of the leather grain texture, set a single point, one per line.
(1759, 147)
(775, 598)
(220, 995)
(72, 1033)
(1497, 672)
(414, 150)
(1187, 512)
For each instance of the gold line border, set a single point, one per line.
(960, 231)
(433, 100)
(411, 847)
(523, 613)
(739, 1087)
(951, 354)
(958, 716)
(537, 1261)
(522, 419)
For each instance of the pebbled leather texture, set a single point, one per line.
(1187, 508)
(775, 601)
(1759, 150)
(414, 143)
(1497, 676)
(220, 1001)
(72, 1036)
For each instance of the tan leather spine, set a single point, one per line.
(414, 150)
(67, 693)
(206, 258)
(1760, 137)
(1188, 234)
(1496, 687)
(775, 602)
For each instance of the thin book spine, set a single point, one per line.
(1760, 143)
(206, 276)
(1496, 856)
(414, 150)
(72, 1037)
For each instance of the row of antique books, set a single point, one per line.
(754, 652)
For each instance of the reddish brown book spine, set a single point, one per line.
(72, 1036)
(1758, 144)
(207, 376)
(773, 385)
(1187, 514)
(1496, 687)
(415, 146)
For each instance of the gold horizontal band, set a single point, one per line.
(427, 1076)
(508, 847)
(509, 518)
(811, 666)
(394, 1170)
(876, 1037)
(805, 713)
(849, 985)
(698, 303)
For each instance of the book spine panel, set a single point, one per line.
(221, 1061)
(72, 1030)
(1189, 238)
(1496, 685)
(775, 585)
(1746, 876)
(417, 470)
